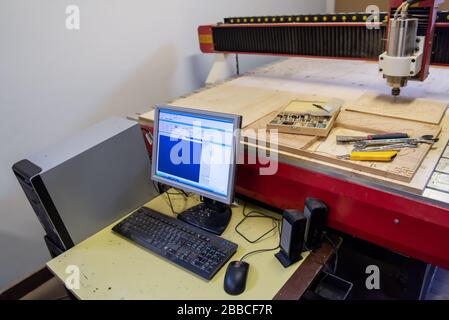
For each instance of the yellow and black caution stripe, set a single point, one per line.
(310, 18)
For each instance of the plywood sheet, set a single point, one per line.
(349, 123)
(250, 102)
(402, 168)
(421, 110)
(379, 124)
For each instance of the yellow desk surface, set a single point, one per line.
(112, 267)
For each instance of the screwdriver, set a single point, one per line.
(348, 139)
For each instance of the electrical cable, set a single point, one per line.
(171, 204)
(247, 216)
(403, 8)
(257, 252)
(412, 2)
(257, 214)
(237, 65)
(177, 192)
(399, 9)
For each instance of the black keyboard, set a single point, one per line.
(195, 250)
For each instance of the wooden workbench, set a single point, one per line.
(258, 93)
(112, 267)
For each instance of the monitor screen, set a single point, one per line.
(195, 151)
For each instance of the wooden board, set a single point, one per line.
(378, 124)
(422, 110)
(249, 102)
(402, 168)
(286, 142)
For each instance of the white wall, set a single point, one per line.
(330, 6)
(127, 56)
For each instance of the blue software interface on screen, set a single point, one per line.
(195, 150)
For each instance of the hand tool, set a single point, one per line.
(348, 139)
(320, 107)
(423, 139)
(396, 147)
(382, 156)
(330, 106)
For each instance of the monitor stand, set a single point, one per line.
(210, 215)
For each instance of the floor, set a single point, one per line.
(54, 290)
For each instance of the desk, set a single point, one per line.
(112, 267)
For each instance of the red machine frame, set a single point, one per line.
(411, 226)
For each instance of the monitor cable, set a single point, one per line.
(161, 188)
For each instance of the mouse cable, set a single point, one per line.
(257, 252)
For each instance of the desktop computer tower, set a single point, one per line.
(83, 184)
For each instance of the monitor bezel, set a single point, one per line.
(237, 123)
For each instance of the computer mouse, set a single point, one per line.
(235, 277)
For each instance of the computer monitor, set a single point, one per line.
(195, 151)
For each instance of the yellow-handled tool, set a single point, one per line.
(382, 156)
